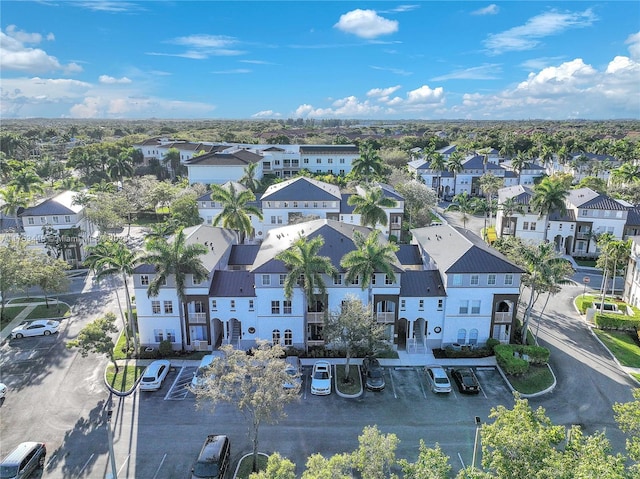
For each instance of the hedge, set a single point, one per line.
(512, 364)
(616, 321)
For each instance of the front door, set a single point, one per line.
(401, 334)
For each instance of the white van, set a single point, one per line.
(198, 376)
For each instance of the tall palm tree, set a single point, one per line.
(368, 163)
(27, 181)
(235, 209)
(249, 177)
(111, 257)
(438, 164)
(306, 270)
(13, 199)
(549, 195)
(455, 166)
(519, 162)
(509, 207)
(121, 166)
(175, 258)
(464, 204)
(370, 206)
(626, 174)
(490, 184)
(369, 257)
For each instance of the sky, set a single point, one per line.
(420, 60)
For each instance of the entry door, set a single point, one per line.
(402, 334)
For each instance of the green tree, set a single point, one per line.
(13, 257)
(121, 166)
(455, 165)
(51, 276)
(490, 184)
(112, 257)
(249, 178)
(337, 466)
(184, 210)
(437, 163)
(432, 463)
(370, 206)
(236, 209)
(520, 162)
(353, 327)
(368, 164)
(549, 195)
(372, 255)
(626, 174)
(596, 184)
(27, 181)
(419, 200)
(13, 199)
(95, 337)
(278, 467)
(172, 162)
(464, 204)
(508, 208)
(376, 454)
(175, 259)
(251, 383)
(627, 416)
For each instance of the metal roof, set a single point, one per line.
(422, 284)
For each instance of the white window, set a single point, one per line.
(305, 161)
(67, 219)
(158, 335)
(403, 304)
(251, 305)
(585, 212)
(266, 280)
(356, 280)
(195, 280)
(275, 336)
(43, 219)
(318, 160)
(31, 221)
(337, 279)
(55, 219)
(508, 279)
(464, 306)
(525, 225)
(475, 280)
(387, 280)
(491, 279)
(457, 280)
(171, 335)
(373, 279)
(473, 336)
(288, 337)
(281, 279)
(341, 160)
(144, 280)
(275, 307)
(440, 304)
(233, 305)
(475, 306)
(168, 307)
(155, 307)
(330, 161)
(533, 226)
(214, 305)
(286, 306)
(295, 204)
(421, 305)
(462, 336)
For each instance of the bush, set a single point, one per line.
(616, 321)
(586, 305)
(153, 354)
(513, 363)
(492, 343)
(468, 353)
(165, 349)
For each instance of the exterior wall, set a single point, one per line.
(148, 321)
(632, 279)
(208, 174)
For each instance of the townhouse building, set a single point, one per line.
(422, 307)
(631, 292)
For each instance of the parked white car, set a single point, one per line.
(438, 379)
(154, 374)
(39, 327)
(321, 378)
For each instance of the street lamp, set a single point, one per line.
(475, 442)
(112, 457)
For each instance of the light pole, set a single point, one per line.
(475, 442)
(112, 457)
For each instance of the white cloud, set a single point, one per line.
(562, 80)
(383, 92)
(396, 71)
(137, 107)
(634, 45)
(111, 80)
(489, 71)
(16, 56)
(424, 94)
(232, 71)
(266, 114)
(539, 63)
(492, 9)
(527, 36)
(205, 41)
(366, 24)
(109, 6)
(202, 46)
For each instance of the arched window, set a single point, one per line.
(288, 337)
(473, 336)
(275, 336)
(462, 336)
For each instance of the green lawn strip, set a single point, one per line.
(125, 378)
(354, 385)
(586, 262)
(636, 376)
(622, 346)
(53, 311)
(10, 313)
(246, 464)
(536, 379)
(26, 300)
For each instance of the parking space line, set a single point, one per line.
(160, 466)
(424, 393)
(124, 463)
(86, 464)
(480, 385)
(393, 385)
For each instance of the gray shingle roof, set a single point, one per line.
(476, 162)
(243, 254)
(226, 158)
(302, 189)
(61, 204)
(417, 284)
(232, 284)
(633, 217)
(409, 254)
(603, 202)
(521, 194)
(345, 207)
(329, 149)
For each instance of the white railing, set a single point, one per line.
(502, 317)
(198, 318)
(315, 318)
(388, 317)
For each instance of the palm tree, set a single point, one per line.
(626, 174)
(306, 269)
(455, 166)
(13, 199)
(249, 177)
(549, 195)
(519, 162)
(84, 162)
(369, 257)
(112, 257)
(490, 184)
(121, 166)
(368, 163)
(508, 207)
(27, 181)
(370, 206)
(464, 204)
(172, 162)
(438, 165)
(175, 258)
(235, 209)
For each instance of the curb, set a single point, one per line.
(235, 473)
(349, 396)
(532, 395)
(115, 391)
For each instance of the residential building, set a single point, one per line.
(632, 279)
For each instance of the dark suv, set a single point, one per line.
(23, 460)
(213, 460)
(373, 374)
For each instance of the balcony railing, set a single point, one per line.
(315, 318)
(386, 317)
(200, 318)
(500, 317)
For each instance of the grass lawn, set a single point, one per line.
(10, 313)
(53, 311)
(354, 384)
(126, 377)
(538, 378)
(245, 465)
(586, 262)
(25, 300)
(622, 345)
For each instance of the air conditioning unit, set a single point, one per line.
(201, 345)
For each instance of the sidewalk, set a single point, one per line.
(6, 331)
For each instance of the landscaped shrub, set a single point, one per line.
(586, 305)
(537, 354)
(509, 363)
(165, 349)
(468, 353)
(616, 321)
(153, 354)
(492, 343)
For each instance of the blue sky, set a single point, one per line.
(320, 59)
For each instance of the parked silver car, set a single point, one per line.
(39, 327)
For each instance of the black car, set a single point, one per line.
(373, 374)
(466, 381)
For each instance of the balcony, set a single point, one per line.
(316, 318)
(502, 317)
(386, 318)
(197, 318)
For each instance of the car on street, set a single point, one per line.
(3, 390)
(466, 381)
(154, 374)
(373, 374)
(438, 379)
(213, 460)
(23, 461)
(321, 378)
(39, 327)
(294, 370)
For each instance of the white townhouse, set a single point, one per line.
(394, 214)
(482, 286)
(632, 279)
(222, 165)
(244, 298)
(526, 225)
(526, 177)
(332, 159)
(60, 215)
